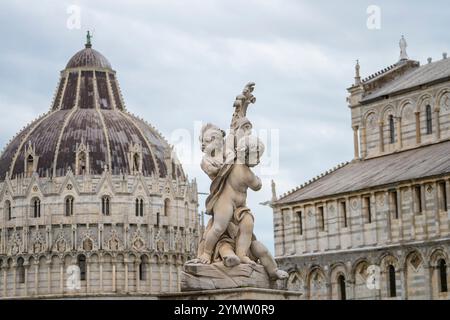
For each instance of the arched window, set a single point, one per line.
(36, 207)
(81, 260)
(392, 285)
(139, 208)
(158, 222)
(69, 206)
(30, 165)
(391, 129)
(106, 206)
(82, 162)
(443, 275)
(20, 271)
(429, 119)
(167, 207)
(342, 289)
(8, 210)
(143, 269)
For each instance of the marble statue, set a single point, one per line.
(228, 240)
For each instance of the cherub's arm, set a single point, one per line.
(253, 181)
(210, 167)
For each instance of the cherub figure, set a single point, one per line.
(229, 234)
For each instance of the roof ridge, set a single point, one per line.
(380, 72)
(310, 181)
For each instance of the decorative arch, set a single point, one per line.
(317, 284)
(68, 206)
(443, 100)
(167, 210)
(338, 280)
(295, 282)
(7, 210)
(387, 110)
(106, 205)
(414, 275)
(36, 207)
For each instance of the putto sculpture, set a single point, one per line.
(229, 254)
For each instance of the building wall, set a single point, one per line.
(348, 232)
(417, 275)
(114, 246)
(371, 121)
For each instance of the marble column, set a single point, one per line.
(356, 142)
(363, 142)
(438, 125)
(418, 135)
(381, 136)
(399, 132)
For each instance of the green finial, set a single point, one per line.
(88, 39)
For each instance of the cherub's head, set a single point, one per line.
(243, 127)
(211, 139)
(250, 150)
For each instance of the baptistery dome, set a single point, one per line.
(88, 112)
(93, 200)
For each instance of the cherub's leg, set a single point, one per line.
(223, 212)
(244, 239)
(230, 259)
(260, 251)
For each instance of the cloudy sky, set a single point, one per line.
(180, 63)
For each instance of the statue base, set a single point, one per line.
(199, 277)
(234, 294)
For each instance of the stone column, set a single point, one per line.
(61, 277)
(49, 276)
(26, 266)
(437, 208)
(114, 276)
(400, 215)
(170, 277)
(101, 273)
(150, 276)
(126, 274)
(178, 278)
(447, 190)
(363, 142)
(138, 274)
(14, 266)
(399, 133)
(36, 277)
(5, 280)
(438, 125)
(161, 277)
(88, 269)
(418, 135)
(355, 142)
(381, 135)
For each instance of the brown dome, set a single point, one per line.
(88, 57)
(88, 112)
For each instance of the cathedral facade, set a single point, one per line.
(93, 200)
(378, 227)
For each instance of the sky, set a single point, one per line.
(182, 63)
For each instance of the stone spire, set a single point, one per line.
(403, 45)
(357, 75)
(274, 192)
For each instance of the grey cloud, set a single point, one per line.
(184, 61)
